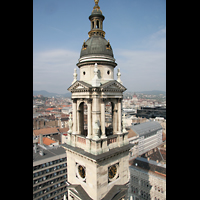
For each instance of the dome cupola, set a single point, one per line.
(96, 48)
(96, 19)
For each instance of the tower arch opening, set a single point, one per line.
(82, 119)
(109, 118)
(97, 24)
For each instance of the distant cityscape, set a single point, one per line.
(99, 141)
(149, 104)
(147, 158)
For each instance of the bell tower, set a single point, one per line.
(97, 145)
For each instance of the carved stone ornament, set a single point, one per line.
(70, 123)
(96, 131)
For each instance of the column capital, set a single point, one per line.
(103, 100)
(89, 100)
(74, 100)
(119, 100)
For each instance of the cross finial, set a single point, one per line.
(96, 1)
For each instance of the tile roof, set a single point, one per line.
(163, 136)
(50, 153)
(45, 131)
(49, 108)
(146, 165)
(146, 127)
(116, 192)
(154, 156)
(47, 141)
(163, 153)
(63, 130)
(79, 191)
(131, 133)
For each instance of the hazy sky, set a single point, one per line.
(136, 30)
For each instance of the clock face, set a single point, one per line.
(112, 171)
(81, 171)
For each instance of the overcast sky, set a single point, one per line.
(136, 30)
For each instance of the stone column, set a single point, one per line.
(95, 111)
(80, 118)
(115, 119)
(95, 23)
(78, 121)
(119, 116)
(91, 25)
(89, 118)
(103, 118)
(74, 115)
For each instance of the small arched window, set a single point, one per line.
(92, 25)
(97, 26)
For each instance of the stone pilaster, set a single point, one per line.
(119, 121)
(74, 106)
(89, 118)
(103, 118)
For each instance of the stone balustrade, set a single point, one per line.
(97, 146)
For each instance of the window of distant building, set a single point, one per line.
(136, 191)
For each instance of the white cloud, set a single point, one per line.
(145, 69)
(160, 33)
(142, 70)
(53, 70)
(157, 40)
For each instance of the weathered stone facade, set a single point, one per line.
(97, 158)
(146, 184)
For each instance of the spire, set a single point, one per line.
(75, 76)
(70, 123)
(118, 76)
(96, 19)
(95, 80)
(96, 4)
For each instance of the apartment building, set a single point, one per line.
(147, 180)
(49, 173)
(145, 136)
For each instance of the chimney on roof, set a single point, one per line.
(41, 152)
(35, 148)
(41, 139)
